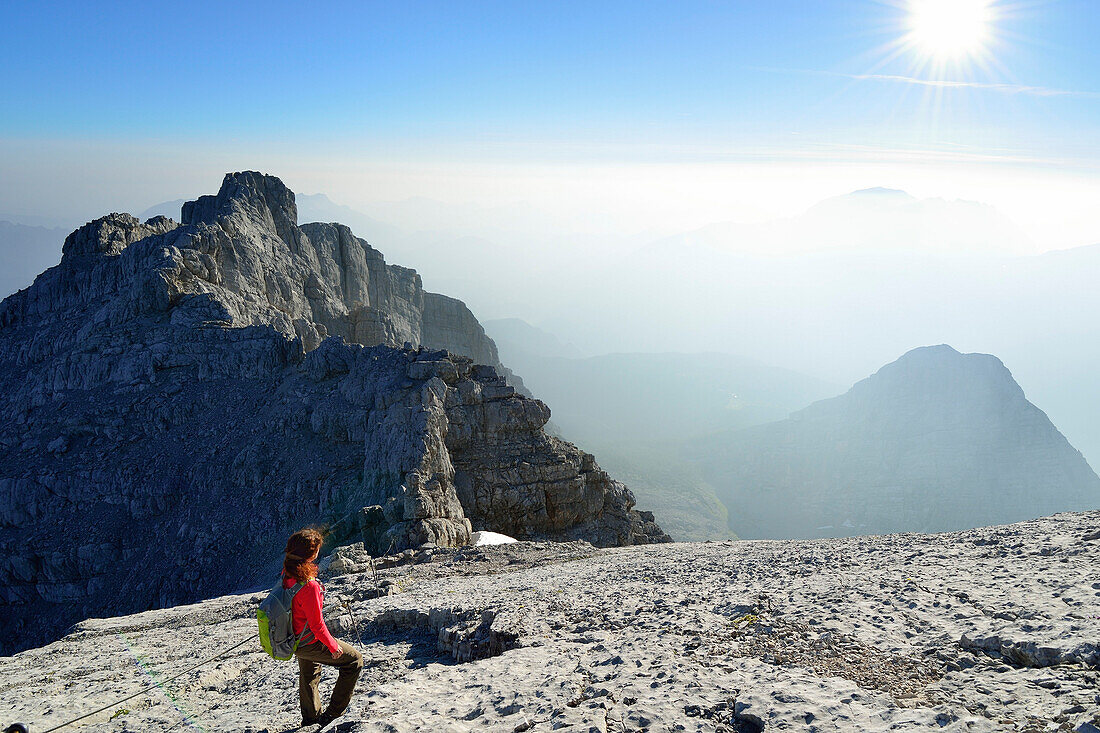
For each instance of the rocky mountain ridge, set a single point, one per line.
(178, 397)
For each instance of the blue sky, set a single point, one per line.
(642, 83)
(394, 70)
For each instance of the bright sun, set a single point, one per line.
(949, 29)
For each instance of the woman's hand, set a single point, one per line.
(337, 654)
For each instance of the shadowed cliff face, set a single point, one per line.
(934, 441)
(177, 398)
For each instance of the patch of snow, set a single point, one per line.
(492, 538)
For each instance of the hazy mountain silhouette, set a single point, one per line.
(934, 441)
(525, 341)
(636, 409)
(169, 209)
(26, 251)
(871, 220)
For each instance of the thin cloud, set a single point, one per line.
(949, 84)
(1032, 91)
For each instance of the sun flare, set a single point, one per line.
(949, 29)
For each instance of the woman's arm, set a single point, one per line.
(314, 620)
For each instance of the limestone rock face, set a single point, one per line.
(449, 324)
(935, 441)
(178, 398)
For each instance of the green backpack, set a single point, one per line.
(276, 623)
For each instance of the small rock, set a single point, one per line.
(58, 445)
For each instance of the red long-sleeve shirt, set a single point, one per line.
(306, 609)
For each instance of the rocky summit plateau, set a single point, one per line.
(992, 629)
(177, 397)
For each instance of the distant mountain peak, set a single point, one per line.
(936, 440)
(938, 373)
(881, 192)
(946, 356)
(937, 349)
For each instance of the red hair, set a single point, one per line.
(299, 549)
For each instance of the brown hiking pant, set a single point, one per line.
(310, 658)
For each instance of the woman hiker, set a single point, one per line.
(299, 567)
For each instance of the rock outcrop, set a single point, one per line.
(178, 397)
(935, 441)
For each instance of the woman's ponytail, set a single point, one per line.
(299, 549)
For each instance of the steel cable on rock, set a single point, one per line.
(204, 711)
(192, 668)
(151, 686)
